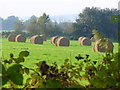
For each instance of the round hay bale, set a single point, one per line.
(44, 38)
(54, 39)
(62, 41)
(92, 39)
(79, 40)
(36, 39)
(86, 41)
(20, 38)
(11, 37)
(98, 48)
(93, 48)
(32, 39)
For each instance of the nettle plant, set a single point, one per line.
(99, 75)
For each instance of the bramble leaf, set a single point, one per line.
(23, 54)
(14, 74)
(26, 70)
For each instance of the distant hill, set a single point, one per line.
(58, 18)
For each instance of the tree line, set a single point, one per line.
(89, 19)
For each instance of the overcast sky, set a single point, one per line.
(23, 8)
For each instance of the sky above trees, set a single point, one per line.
(22, 8)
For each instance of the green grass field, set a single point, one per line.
(49, 52)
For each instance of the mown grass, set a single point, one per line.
(49, 52)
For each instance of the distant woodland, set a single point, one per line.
(89, 19)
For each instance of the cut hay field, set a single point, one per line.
(48, 52)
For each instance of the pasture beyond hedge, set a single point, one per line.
(50, 53)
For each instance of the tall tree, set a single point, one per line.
(43, 21)
(96, 18)
(32, 27)
(18, 26)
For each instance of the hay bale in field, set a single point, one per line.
(93, 48)
(62, 41)
(36, 39)
(79, 40)
(44, 38)
(54, 40)
(92, 39)
(11, 37)
(20, 38)
(99, 46)
(85, 41)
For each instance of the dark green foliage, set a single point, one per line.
(23, 54)
(116, 19)
(14, 75)
(97, 34)
(96, 18)
(79, 57)
(4, 75)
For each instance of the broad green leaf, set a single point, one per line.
(38, 64)
(34, 75)
(14, 75)
(98, 83)
(41, 84)
(26, 70)
(110, 81)
(28, 81)
(66, 61)
(102, 73)
(4, 75)
(4, 80)
(21, 71)
(54, 84)
(20, 59)
(23, 54)
(0, 81)
(11, 55)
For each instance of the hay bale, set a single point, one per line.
(62, 41)
(54, 40)
(98, 48)
(93, 48)
(20, 38)
(37, 39)
(44, 38)
(92, 39)
(79, 40)
(32, 39)
(86, 41)
(11, 37)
